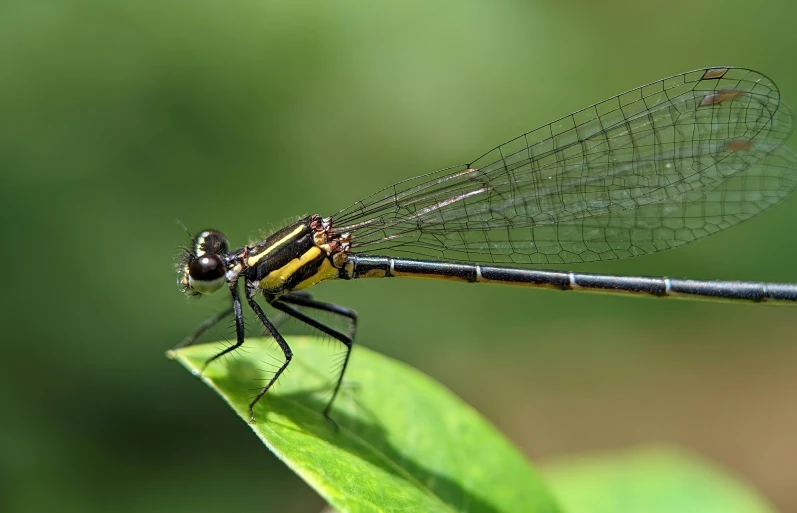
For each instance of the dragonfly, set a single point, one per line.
(651, 169)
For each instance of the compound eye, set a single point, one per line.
(211, 241)
(206, 273)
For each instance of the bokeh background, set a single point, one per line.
(117, 118)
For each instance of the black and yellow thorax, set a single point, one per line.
(296, 257)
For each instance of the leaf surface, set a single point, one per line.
(649, 480)
(403, 442)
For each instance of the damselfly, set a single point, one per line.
(647, 170)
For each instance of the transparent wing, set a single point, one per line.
(624, 177)
(633, 232)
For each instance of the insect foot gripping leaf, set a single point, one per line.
(402, 442)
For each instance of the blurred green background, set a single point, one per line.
(120, 117)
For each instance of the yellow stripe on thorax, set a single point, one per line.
(254, 259)
(326, 271)
(276, 278)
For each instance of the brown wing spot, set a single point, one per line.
(714, 73)
(739, 145)
(723, 95)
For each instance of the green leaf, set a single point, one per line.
(403, 442)
(649, 480)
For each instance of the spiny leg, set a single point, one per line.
(286, 350)
(190, 339)
(240, 331)
(302, 298)
(347, 340)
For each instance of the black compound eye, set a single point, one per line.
(206, 268)
(211, 241)
(206, 273)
